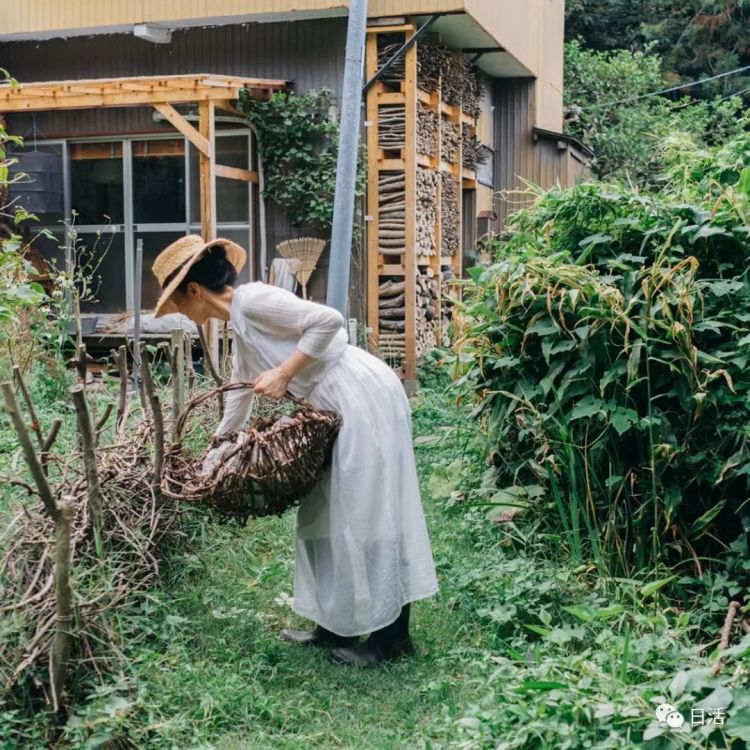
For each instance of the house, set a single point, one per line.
(129, 174)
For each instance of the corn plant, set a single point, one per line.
(607, 348)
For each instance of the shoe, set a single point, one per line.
(319, 636)
(383, 645)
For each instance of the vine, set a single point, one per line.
(298, 146)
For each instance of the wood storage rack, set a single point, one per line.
(415, 179)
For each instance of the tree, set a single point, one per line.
(624, 135)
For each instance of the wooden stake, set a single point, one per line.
(88, 444)
(32, 460)
(35, 426)
(122, 366)
(60, 652)
(156, 415)
(177, 359)
(734, 608)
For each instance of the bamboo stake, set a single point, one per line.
(177, 357)
(35, 426)
(86, 431)
(122, 366)
(32, 460)
(60, 652)
(156, 414)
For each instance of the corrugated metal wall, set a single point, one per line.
(310, 53)
(518, 156)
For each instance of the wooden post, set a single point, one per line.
(32, 460)
(371, 65)
(60, 652)
(81, 365)
(189, 360)
(156, 415)
(209, 365)
(177, 359)
(88, 448)
(137, 287)
(122, 366)
(410, 257)
(207, 175)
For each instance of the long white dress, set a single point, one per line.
(361, 545)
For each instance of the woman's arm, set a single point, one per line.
(282, 313)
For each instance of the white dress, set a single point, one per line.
(361, 549)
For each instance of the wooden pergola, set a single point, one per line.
(209, 92)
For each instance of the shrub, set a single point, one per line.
(607, 349)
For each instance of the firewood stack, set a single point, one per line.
(426, 312)
(387, 45)
(391, 213)
(427, 130)
(446, 276)
(427, 197)
(472, 91)
(450, 137)
(474, 152)
(431, 57)
(391, 127)
(449, 218)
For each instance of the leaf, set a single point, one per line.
(586, 407)
(743, 184)
(651, 588)
(540, 686)
(721, 697)
(623, 419)
(700, 523)
(678, 684)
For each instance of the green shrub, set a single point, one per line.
(607, 348)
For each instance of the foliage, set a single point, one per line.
(624, 137)
(298, 147)
(695, 38)
(607, 349)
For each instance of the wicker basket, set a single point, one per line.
(265, 469)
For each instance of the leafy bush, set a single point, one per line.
(608, 348)
(624, 137)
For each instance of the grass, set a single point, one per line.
(520, 648)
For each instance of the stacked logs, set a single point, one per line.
(392, 316)
(450, 139)
(427, 197)
(432, 56)
(391, 127)
(474, 152)
(446, 276)
(427, 130)
(426, 310)
(471, 96)
(387, 45)
(449, 218)
(391, 213)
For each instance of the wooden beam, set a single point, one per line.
(176, 119)
(207, 176)
(371, 65)
(235, 173)
(410, 259)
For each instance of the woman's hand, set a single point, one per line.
(272, 383)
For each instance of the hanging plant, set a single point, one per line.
(298, 146)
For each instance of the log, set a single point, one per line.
(393, 325)
(63, 637)
(86, 432)
(391, 288)
(122, 366)
(392, 313)
(35, 426)
(392, 302)
(32, 460)
(156, 415)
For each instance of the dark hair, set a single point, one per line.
(212, 271)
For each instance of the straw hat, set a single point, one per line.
(182, 254)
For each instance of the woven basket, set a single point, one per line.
(268, 467)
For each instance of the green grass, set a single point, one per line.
(520, 649)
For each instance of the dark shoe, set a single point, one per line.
(385, 644)
(371, 652)
(319, 636)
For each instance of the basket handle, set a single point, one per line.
(200, 398)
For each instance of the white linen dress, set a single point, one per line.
(361, 545)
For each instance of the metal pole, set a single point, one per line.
(346, 165)
(137, 313)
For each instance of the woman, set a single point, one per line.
(362, 552)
